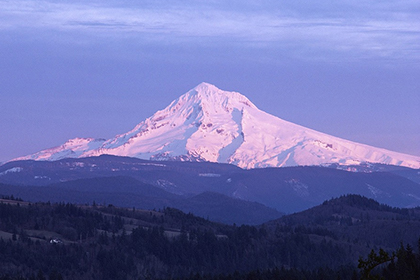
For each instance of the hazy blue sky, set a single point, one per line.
(97, 68)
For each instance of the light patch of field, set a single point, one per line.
(43, 235)
(14, 202)
(9, 236)
(5, 235)
(172, 234)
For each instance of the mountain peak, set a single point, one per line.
(206, 87)
(210, 124)
(209, 95)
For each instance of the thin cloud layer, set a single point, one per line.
(387, 29)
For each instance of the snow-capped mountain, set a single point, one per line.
(209, 124)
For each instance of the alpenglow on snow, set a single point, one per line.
(209, 124)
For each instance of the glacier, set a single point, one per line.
(210, 124)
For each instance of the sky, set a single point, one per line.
(97, 68)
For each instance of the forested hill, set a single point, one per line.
(67, 241)
(358, 219)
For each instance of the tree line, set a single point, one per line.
(106, 242)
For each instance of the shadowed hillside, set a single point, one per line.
(67, 241)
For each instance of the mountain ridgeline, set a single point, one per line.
(209, 124)
(221, 192)
(67, 241)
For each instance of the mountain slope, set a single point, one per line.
(127, 192)
(209, 124)
(288, 189)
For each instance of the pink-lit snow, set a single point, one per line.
(210, 124)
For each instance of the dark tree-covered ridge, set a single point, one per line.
(67, 241)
